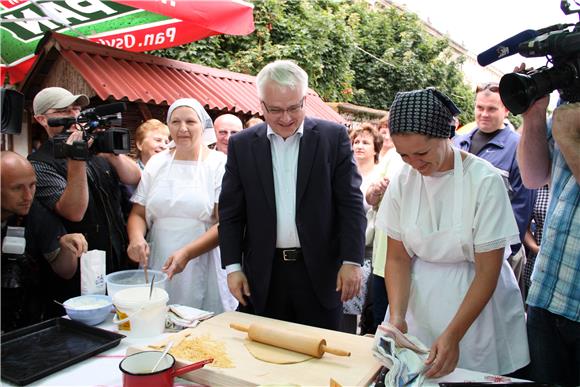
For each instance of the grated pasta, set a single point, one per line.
(203, 347)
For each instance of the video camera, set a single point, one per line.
(95, 125)
(560, 44)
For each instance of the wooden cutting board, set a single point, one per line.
(356, 370)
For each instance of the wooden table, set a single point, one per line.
(357, 370)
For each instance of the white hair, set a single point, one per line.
(285, 73)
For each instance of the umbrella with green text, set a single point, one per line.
(132, 25)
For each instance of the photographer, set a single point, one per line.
(85, 193)
(31, 260)
(550, 154)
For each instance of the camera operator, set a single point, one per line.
(549, 153)
(30, 260)
(85, 193)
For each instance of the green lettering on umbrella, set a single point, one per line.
(19, 39)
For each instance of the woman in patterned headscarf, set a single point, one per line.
(175, 205)
(448, 219)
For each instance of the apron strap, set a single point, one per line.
(458, 188)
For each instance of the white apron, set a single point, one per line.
(179, 210)
(441, 274)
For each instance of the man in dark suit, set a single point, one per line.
(291, 211)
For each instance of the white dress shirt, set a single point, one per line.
(285, 171)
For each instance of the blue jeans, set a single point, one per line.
(554, 348)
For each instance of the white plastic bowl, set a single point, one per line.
(89, 309)
(126, 279)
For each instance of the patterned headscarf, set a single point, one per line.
(427, 112)
(208, 134)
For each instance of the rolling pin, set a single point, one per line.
(288, 340)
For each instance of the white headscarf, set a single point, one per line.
(208, 135)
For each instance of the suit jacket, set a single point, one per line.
(330, 217)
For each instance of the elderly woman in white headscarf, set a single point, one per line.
(175, 205)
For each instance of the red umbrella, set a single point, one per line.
(132, 25)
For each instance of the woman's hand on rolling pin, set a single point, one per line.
(138, 251)
(175, 263)
(348, 281)
(238, 285)
(443, 357)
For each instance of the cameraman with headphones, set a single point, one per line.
(551, 154)
(86, 194)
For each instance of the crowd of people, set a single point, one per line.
(471, 243)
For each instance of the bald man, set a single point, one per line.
(226, 126)
(49, 250)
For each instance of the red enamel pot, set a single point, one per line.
(137, 368)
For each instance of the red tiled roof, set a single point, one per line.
(136, 77)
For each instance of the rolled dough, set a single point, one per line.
(275, 355)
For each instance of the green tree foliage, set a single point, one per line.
(353, 52)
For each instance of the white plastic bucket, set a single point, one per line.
(126, 279)
(138, 315)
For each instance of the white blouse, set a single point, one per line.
(487, 214)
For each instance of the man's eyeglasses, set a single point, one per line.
(491, 86)
(291, 110)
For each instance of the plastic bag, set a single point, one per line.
(93, 271)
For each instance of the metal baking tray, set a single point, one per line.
(31, 353)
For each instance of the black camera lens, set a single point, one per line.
(519, 91)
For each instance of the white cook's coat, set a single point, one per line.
(179, 197)
(441, 221)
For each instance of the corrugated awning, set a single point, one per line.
(135, 77)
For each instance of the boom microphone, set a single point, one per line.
(506, 48)
(106, 110)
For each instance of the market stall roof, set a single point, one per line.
(127, 76)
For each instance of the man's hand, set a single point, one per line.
(175, 263)
(138, 251)
(538, 108)
(75, 136)
(76, 244)
(348, 280)
(72, 246)
(239, 287)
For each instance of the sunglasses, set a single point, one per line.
(491, 86)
